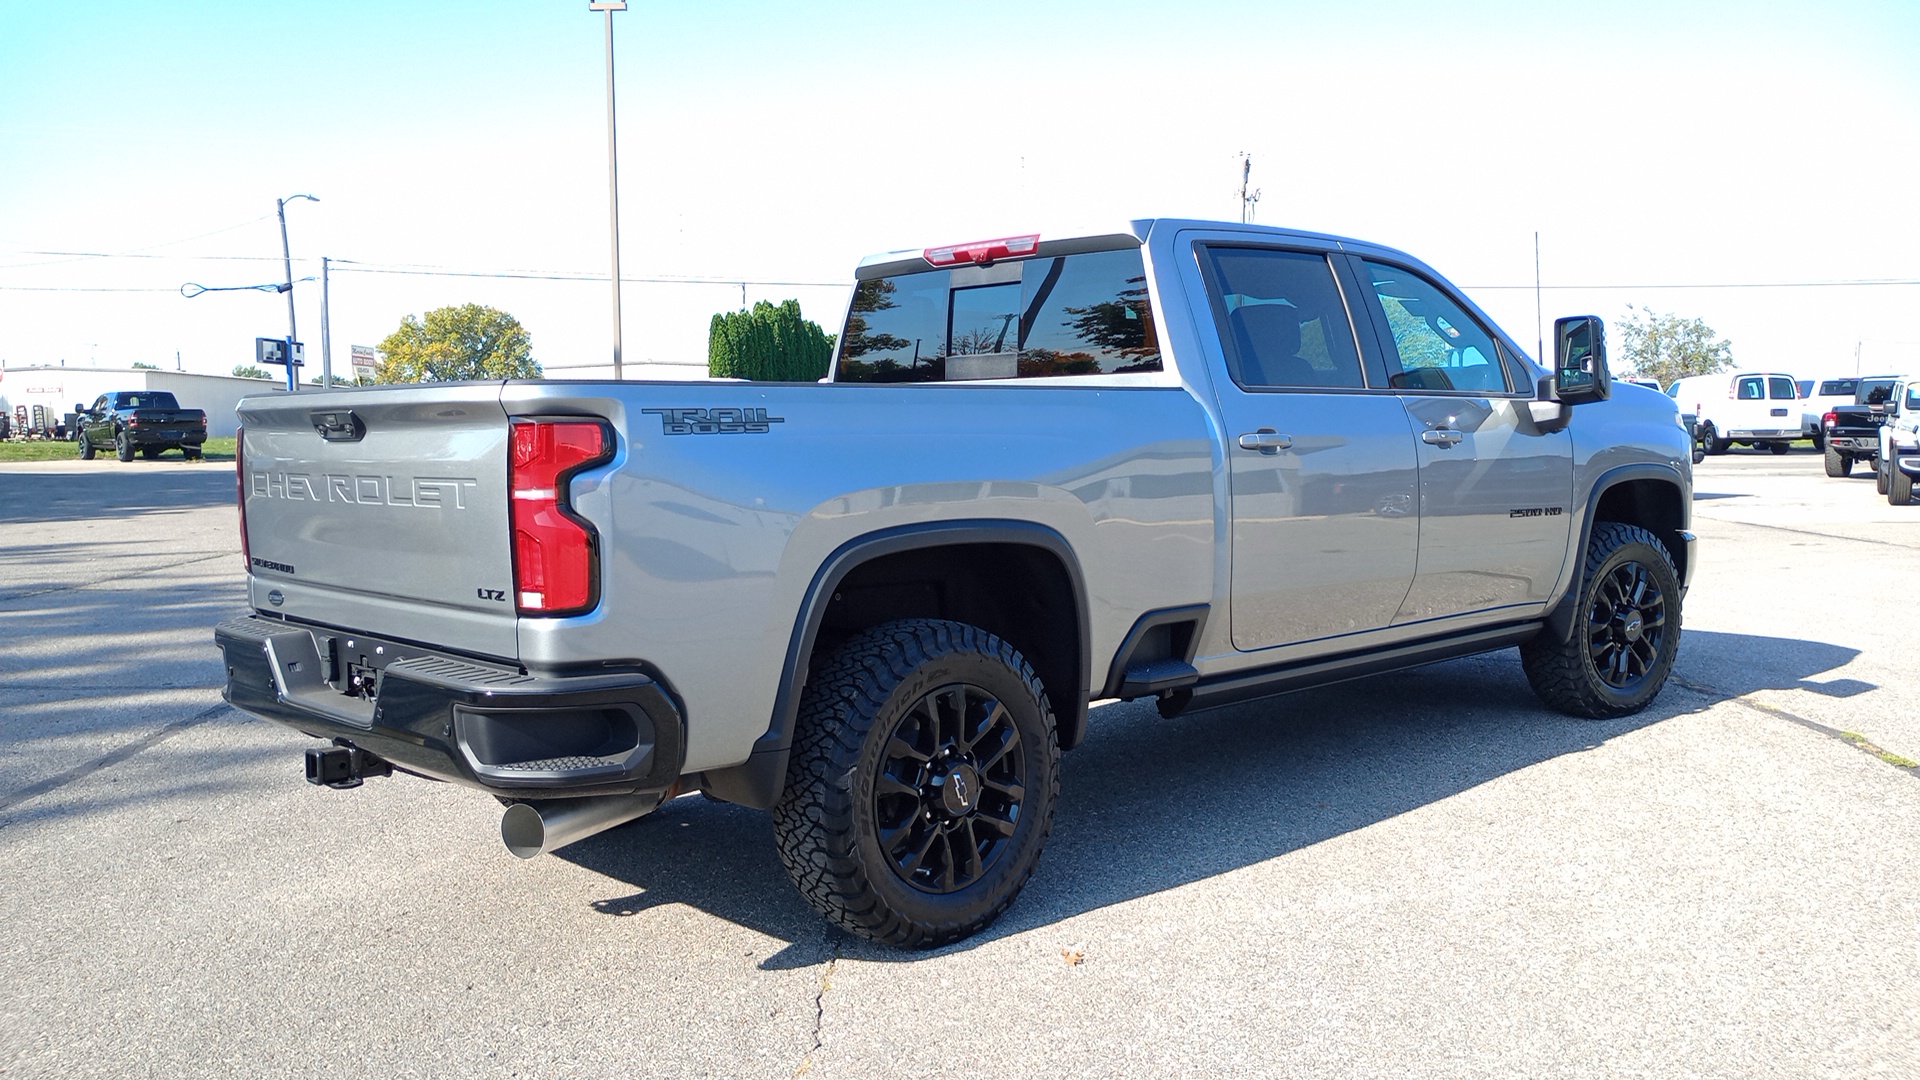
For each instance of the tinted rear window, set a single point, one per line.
(1836, 387)
(1084, 314)
(150, 399)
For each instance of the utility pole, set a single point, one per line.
(326, 336)
(613, 173)
(1247, 201)
(286, 259)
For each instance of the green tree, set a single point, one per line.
(248, 371)
(471, 341)
(138, 366)
(1667, 347)
(768, 344)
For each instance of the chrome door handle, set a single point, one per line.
(1441, 436)
(1266, 440)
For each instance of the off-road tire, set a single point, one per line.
(1839, 464)
(1819, 440)
(86, 447)
(1779, 447)
(1881, 481)
(1899, 486)
(122, 449)
(865, 715)
(149, 452)
(191, 453)
(1711, 437)
(1621, 560)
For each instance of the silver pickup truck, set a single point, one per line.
(1185, 461)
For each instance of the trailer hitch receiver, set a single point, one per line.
(343, 766)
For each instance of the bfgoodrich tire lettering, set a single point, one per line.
(921, 785)
(1627, 633)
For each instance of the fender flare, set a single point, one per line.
(758, 781)
(1562, 615)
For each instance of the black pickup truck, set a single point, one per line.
(147, 421)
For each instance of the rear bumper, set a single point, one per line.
(490, 727)
(161, 437)
(1855, 444)
(1764, 433)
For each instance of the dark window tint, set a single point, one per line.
(1084, 314)
(1782, 389)
(153, 399)
(1835, 387)
(1283, 321)
(1439, 345)
(1753, 389)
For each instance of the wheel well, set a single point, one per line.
(1655, 506)
(1020, 592)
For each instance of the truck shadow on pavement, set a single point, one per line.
(1149, 804)
(117, 491)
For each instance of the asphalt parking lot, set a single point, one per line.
(1422, 875)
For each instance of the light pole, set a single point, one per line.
(613, 173)
(286, 259)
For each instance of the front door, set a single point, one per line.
(1321, 466)
(1495, 491)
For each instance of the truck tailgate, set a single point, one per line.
(383, 512)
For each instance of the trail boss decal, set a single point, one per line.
(715, 421)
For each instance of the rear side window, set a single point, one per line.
(1753, 388)
(1782, 389)
(1084, 314)
(1440, 346)
(1282, 319)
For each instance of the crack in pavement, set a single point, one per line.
(1856, 741)
(820, 1008)
(1809, 532)
(81, 772)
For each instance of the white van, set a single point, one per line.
(1753, 408)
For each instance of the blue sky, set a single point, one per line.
(1648, 144)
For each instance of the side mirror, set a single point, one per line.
(1580, 372)
(79, 408)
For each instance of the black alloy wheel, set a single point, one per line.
(1626, 625)
(122, 449)
(1626, 636)
(950, 790)
(86, 447)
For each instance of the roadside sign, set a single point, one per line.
(363, 362)
(267, 350)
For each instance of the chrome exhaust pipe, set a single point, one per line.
(537, 828)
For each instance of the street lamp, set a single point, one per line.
(613, 173)
(286, 258)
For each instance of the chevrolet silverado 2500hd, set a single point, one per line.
(1184, 461)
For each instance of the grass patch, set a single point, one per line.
(1887, 756)
(54, 450)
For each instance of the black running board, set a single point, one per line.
(1282, 678)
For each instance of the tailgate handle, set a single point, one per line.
(338, 425)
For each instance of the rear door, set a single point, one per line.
(383, 512)
(1495, 490)
(1320, 456)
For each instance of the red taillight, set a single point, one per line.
(1829, 420)
(240, 486)
(554, 556)
(984, 251)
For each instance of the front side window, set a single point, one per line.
(1282, 320)
(1440, 346)
(1081, 314)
